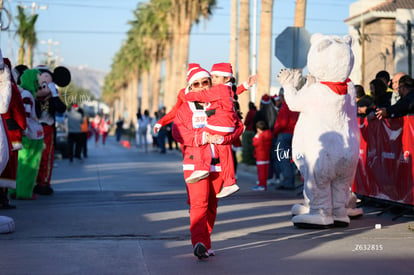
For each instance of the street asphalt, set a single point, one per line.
(124, 211)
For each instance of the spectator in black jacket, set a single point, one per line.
(405, 105)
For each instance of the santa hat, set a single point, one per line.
(195, 74)
(266, 99)
(276, 97)
(222, 69)
(191, 67)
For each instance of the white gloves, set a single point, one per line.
(53, 89)
(157, 128)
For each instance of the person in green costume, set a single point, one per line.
(30, 156)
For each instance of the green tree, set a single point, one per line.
(27, 35)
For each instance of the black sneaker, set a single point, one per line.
(43, 190)
(200, 251)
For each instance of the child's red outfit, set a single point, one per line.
(222, 122)
(262, 144)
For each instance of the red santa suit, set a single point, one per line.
(188, 130)
(221, 122)
(16, 123)
(169, 117)
(262, 143)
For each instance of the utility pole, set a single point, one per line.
(50, 53)
(34, 7)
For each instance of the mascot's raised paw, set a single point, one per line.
(285, 77)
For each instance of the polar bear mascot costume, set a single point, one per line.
(325, 143)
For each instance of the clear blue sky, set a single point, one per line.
(90, 32)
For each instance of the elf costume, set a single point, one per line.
(32, 141)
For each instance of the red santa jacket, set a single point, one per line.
(220, 99)
(262, 143)
(188, 130)
(15, 117)
(285, 121)
(169, 117)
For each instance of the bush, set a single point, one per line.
(248, 149)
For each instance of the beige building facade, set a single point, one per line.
(380, 37)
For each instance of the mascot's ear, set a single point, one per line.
(315, 37)
(348, 40)
(19, 70)
(61, 76)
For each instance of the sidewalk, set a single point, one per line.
(123, 211)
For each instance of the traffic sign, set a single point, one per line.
(292, 47)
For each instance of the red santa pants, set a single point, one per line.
(203, 207)
(46, 163)
(262, 171)
(225, 154)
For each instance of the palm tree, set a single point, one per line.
(265, 49)
(31, 39)
(159, 33)
(27, 35)
(244, 51)
(183, 15)
(21, 32)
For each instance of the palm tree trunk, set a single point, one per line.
(300, 13)
(134, 97)
(145, 91)
(21, 50)
(244, 51)
(265, 49)
(29, 56)
(155, 87)
(168, 78)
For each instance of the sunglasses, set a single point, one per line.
(200, 84)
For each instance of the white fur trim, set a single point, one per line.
(191, 167)
(261, 162)
(221, 128)
(188, 167)
(8, 183)
(204, 137)
(5, 88)
(220, 73)
(198, 75)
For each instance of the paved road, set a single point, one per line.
(123, 211)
